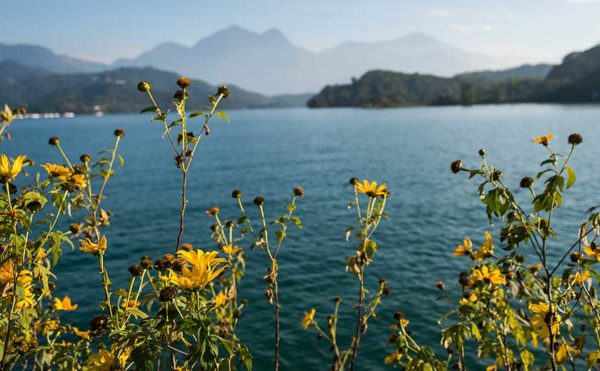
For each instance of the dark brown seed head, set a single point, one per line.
(456, 166)
(575, 139)
(259, 201)
(98, 323)
(146, 262)
(143, 86)
(298, 191)
(526, 182)
(167, 294)
(482, 152)
(223, 90)
(85, 158)
(54, 141)
(353, 181)
(398, 315)
(229, 224)
(183, 82)
(136, 270)
(236, 193)
(119, 133)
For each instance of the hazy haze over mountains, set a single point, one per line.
(268, 62)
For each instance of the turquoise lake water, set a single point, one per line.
(269, 152)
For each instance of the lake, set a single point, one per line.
(269, 152)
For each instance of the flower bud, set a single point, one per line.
(575, 257)
(259, 201)
(353, 181)
(212, 211)
(143, 86)
(456, 166)
(99, 323)
(85, 158)
(482, 152)
(439, 285)
(183, 82)
(398, 315)
(119, 133)
(229, 224)
(526, 182)
(236, 194)
(298, 191)
(575, 139)
(54, 141)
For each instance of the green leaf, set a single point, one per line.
(149, 109)
(196, 113)
(223, 116)
(571, 178)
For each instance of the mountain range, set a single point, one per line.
(270, 63)
(575, 80)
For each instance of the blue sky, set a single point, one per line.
(103, 30)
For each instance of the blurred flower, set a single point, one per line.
(64, 304)
(371, 189)
(130, 304)
(392, 358)
(308, 318)
(592, 251)
(7, 272)
(544, 140)
(488, 276)
(85, 335)
(464, 249)
(9, 172)
(205, 268)
(220, 299)
(538, 321)
(95, 248)
(231, 250)
(487, 249)
(57, 171)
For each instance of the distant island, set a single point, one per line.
(575, 80)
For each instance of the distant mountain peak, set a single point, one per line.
(419, 37)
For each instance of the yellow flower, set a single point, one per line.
(27, 300)
(308, 318)
(580, 278)
(466, 301)
(64, 304)
(563, 352)
(484, 274)
(231, 250)
(592, 251)
(57, 171)
(392, 358)
(85, 335)
(7, 272)
(9, 172)
(371, 189)
(131, 304)
(205, 268)
(220, 299)
(538, 321)
(464, 249)
(544, 140)
(90, 247)
(487, 249)
(103, 361)
(78, 181)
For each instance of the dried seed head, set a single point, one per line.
(353, 181)
(259, 201)
(183, 82)
(482, 152)
(229, 224)
(144, 86)
(398, 315)
(146, 262)
(119, 133)
(98, 323)
(224, 91)
(54, 141)
(526, 182)
(298, 191)
(575, 257)
(575, 139)
(337, 299)
(167, 294)
(136, 270)
(456, 166)
(85, 158)
(236, 193)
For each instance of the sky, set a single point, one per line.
(515, 31)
